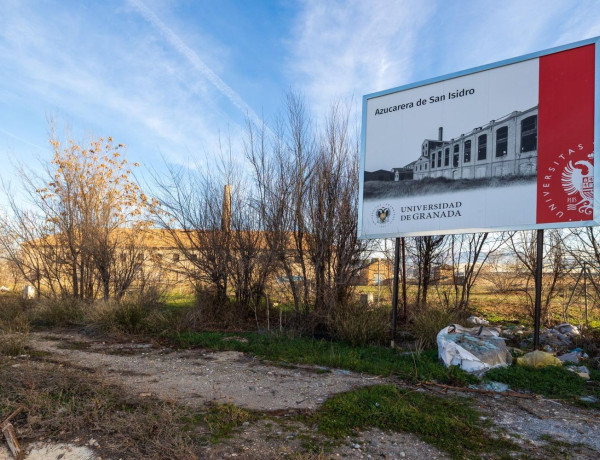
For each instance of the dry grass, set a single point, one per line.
(360, 325)
(135, 316)
(62, 404)
(428, 322)
(14, 325)
(58, 312)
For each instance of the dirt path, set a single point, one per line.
(197, 377)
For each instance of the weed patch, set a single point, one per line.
(551, 381)
(59, 312)
(357, 325)
(222, 419)
(135, 317)
(428, 323)
(448, 424)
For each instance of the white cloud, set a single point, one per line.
(477, 33)
(349, 48)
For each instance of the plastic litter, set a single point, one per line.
(498, 387)
(513, 331)
(538, 359)
(475, 350)
(574, 356)
(560, 337)
(478, 321)
(581, 371)
(567, 329)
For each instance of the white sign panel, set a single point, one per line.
(474, 152)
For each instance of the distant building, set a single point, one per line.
(376, 272)
(405, 172)
(381, 174)
(507, 146)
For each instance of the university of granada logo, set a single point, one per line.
(578, 182)
(383, 215)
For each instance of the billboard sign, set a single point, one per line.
(506, 146)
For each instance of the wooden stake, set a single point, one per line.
(16, 412)
(11, 437)
(12, 441)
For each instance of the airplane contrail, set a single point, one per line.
(198, 64)
(20, 139)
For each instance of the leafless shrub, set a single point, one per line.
(210, 313)
(503, 273)
(425, 252)
(61, 311)
(556, 268)
(466, 257)
(427, 323)
(359, 325)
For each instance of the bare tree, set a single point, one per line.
(336, 253)
(190, 209)
(425, 252)
(282, 167)
(306, 182)
(468, 255)
(556, 267)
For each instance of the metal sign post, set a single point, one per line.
(404, 279)
(538, 288)
(395, 292)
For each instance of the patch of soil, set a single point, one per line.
(47, 451)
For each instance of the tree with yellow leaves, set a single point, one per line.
(92, 213)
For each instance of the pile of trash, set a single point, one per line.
(475, 350)
(561, 337)
(540, 358)
(480, 348)
(478, 321)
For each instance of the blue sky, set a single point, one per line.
(168, 78)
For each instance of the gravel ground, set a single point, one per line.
(532, 418)
(543, 428)
(196, 377)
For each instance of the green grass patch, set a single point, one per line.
(222, 419)
(594, 374)
(371, 360)
(177, 300)
(449, 424)
(551, 381)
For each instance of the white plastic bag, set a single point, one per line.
(475, 350)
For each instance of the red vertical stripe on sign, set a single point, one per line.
(565, 176)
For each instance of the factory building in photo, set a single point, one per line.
(507, 146)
